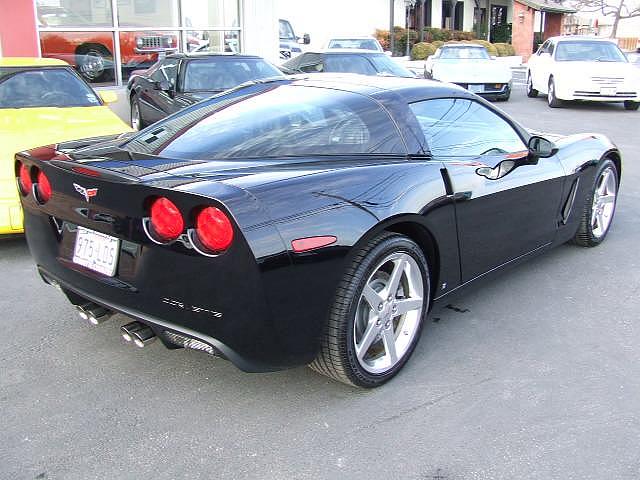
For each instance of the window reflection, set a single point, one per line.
(148, 13)
(210, 13)
(91, 53)
(213, 41)
(82, 14)
(140, 50)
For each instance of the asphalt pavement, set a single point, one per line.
(534, 376)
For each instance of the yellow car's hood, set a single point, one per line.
(24, 128)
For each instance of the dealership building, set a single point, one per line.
(107, 39)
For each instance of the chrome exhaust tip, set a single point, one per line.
(138, 333)
(94, 314)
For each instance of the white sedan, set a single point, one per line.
(583, 68)
(471, 67)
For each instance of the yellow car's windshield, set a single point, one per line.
(24, 87)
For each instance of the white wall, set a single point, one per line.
(323, 19)
(260, 29)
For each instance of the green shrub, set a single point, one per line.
(502, 49)
(383, 37)
(422, 50)
(437, 43)
(460, 35)
(436, 34)
(400, 37)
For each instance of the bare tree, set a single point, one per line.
(618, 9)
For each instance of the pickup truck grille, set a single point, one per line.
(155, 42)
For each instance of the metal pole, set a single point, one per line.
(406, 22)
(391, 12)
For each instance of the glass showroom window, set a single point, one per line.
(106, 51)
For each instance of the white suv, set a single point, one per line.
(583, 68)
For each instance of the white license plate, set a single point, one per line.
(476, 88)
(608, 91)
(96, 251)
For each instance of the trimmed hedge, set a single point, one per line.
(422, 50)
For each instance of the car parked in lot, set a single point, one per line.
(471, 67)
(289, 41)
(345, 61)
(583, 68)
(182, 79)
(365, 42)
(92, 52)
(44, 101)
(309, 220)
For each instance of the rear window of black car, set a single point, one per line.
(284, 120)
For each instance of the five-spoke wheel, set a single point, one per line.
(378, 313)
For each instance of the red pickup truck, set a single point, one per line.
(92, 52)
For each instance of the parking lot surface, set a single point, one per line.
(533, 376)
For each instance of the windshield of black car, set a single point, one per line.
(24, 87)
(359, 43)
(280, 120)
(224, 73)
(462, 53)
(588, 51)
(366, 64)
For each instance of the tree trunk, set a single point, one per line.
(616, 20)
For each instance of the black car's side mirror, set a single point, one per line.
(163, 85)
(541, 147)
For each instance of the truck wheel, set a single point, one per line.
(377, 315)
(92, 61)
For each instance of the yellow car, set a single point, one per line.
(42, 102)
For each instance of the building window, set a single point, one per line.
(105, 45)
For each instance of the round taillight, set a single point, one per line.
(214, 229)
(24, 179)
(43, 188)
(166, 220)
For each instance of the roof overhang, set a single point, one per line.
(549, 7)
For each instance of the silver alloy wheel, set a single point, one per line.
(92, 66)
(389, 313)
(604, 202)
(135, 116)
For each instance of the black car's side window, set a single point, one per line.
(461, 127)
(167, 70)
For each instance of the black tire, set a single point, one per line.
(135, 107)
(587, 236)
(337, 358)
(552, 100)
(95, 63)
(630, 105)
(531, 92)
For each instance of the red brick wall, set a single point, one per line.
(522, 32)
(552, 25)
(18, 34)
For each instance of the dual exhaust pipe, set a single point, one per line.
(136, 332)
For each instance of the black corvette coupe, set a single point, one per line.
(180, 80)
(311, 220)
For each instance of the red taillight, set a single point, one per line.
(24, 179)
(214, 229)
(43, 188)
(166, 220)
